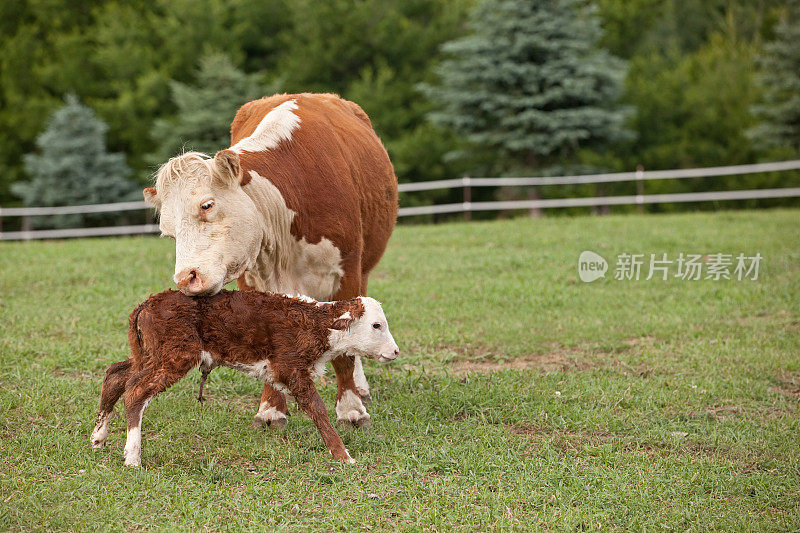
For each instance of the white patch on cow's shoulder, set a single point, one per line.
(276, 126)
(350, 408)
(287, 265)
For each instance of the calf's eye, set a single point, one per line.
(207, 205)
(376, 325)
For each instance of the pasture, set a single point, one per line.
(523, 398)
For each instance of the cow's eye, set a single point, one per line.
(376, 325)
(207, 205)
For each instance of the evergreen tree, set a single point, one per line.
(206, 108)
(531, 83)
(780, 109)
(73, 166)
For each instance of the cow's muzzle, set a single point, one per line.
(190, 282)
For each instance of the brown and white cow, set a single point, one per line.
(303, 202)
(278, 339)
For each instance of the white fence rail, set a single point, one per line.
(467, 206)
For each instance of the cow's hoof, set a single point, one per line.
(271, 418)
(359, 423)
(277, 423)
(262, 423)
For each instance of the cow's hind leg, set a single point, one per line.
(114, 382)
(272, 410)
(140, 390)
(350, 410)
(359, 378)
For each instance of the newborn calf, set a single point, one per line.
(280, 339)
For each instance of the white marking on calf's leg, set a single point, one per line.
(100, 433)
(133, 447)
(350, 410)
(133, 444)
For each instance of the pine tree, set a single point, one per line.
(530, 83)
(206, 108)
(73, 167)
(780, 109)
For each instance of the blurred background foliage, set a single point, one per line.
(660, 83)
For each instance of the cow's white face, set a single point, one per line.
(214, 222)
(369, 335)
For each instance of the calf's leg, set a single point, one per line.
(309, 400)
(142, 388)
(114, 382)
(272, 410)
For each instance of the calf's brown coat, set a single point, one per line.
(277, 338)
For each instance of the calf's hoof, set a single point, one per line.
(99, 438)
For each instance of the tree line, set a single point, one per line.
(491, 87)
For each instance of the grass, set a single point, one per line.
(523, 398)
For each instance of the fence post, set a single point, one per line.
(26, 224)
(640, 188)
(467, 198)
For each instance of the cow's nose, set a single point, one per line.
(190, 281)
(396, 352)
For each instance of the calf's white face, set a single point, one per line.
(369, 335)
(214, 222)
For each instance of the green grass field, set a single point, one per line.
(523, 397)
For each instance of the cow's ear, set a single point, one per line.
(343, 321)
(228, 167)
(151, 197)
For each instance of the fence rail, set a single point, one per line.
(467, 206)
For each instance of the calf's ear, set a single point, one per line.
(151, 197)
(228, 169)
(342, 322)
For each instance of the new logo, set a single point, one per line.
(591, 266)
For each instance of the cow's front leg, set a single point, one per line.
(362, 387)
(272, 411)
(350, 410)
